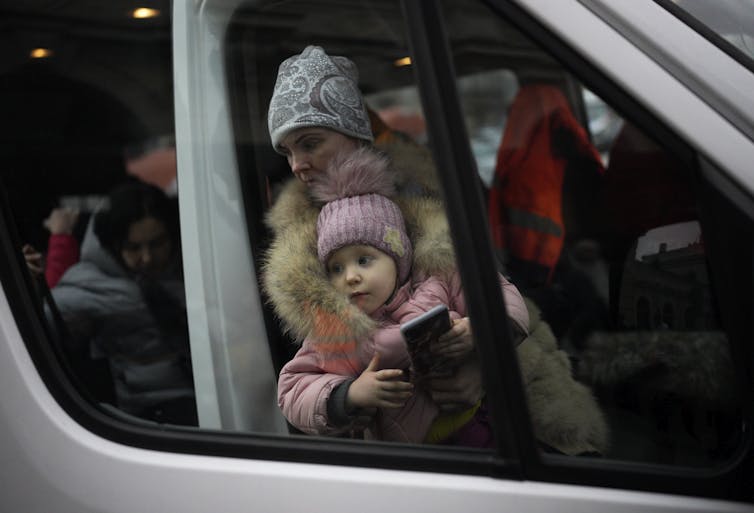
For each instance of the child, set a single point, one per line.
(336, 384)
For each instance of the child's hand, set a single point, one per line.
(378, 388)
(456, 343)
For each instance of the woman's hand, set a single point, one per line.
(378, 388)
(61, 221)
(456, 343)
(460, 390)
(33, 260)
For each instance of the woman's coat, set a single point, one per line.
(106, 316)
(302, 297)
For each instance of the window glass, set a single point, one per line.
(604, 123)
(596, 222)
(483, 94)
(118, 316)
(370, 34)
(91, 112)
(370, 37)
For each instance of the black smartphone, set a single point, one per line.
(419, 333)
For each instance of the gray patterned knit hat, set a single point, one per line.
(314, 89)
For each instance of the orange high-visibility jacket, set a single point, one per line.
(526, 199)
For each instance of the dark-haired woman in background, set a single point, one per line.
(124, 302)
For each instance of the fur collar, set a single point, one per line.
(292, 276)
(564, 412)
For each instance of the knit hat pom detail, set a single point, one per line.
(354, 173)
(356, 187)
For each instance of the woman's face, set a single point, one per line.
(148, 247)
(309, 150)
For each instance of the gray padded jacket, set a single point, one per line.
(106, 314)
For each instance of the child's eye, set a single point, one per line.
(365, 259)
(335, 269)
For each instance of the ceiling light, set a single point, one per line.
(40, 53)
(405, 61)
(145, 12)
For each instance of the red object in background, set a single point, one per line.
(546, 167)
(411, 124)
(157, 167)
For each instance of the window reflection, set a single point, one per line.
(597, 224)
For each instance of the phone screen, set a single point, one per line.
(419, 334)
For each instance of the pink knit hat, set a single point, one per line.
(356, 186)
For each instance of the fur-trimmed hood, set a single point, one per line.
(295, 280)
(564, 412)
(694, 366)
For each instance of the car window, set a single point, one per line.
(598, 224)
(187, 352)
(385, 76)
(578, 251)
(87, 124)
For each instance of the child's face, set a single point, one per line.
(365, 273)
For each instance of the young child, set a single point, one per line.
(336, 384)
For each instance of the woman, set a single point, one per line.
(316, 111)
(124, 301)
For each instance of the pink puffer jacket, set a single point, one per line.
(307, 381)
